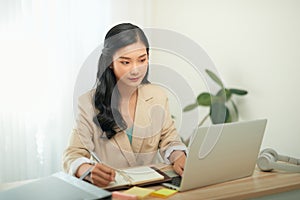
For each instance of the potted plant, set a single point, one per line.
(222, 108)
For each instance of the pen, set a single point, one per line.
(95, 157)
(86, 173)
(125, 176)
(99, 161)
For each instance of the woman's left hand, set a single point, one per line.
(178, 164)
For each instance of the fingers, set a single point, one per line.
(178, 170)
(107, 170)
(178, 165)
(102, 175)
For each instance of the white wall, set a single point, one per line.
(255, 45)
(138, 12)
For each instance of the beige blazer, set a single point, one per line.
(153, 131)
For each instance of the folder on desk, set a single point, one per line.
(59, 186)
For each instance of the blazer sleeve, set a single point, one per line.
(80, 142)
(170, 139)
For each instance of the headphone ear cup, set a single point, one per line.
(271, 152)
(265, 162)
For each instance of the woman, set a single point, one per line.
(125, 120)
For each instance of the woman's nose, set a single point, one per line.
(134, 69)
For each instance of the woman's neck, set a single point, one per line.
(127, 92)
(128, 101)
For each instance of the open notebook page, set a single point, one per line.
(134, 176)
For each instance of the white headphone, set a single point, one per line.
(267, 161)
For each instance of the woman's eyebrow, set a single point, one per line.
(123, 57)
(127, 58)
(142, 55)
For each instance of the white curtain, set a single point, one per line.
(42, 47)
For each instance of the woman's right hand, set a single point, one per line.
(101, 175)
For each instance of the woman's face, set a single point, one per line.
(130, 64)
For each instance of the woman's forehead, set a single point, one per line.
(132, 50)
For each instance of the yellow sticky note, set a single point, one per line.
(163, 193)
(139, 191)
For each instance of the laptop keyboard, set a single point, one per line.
(176, 181)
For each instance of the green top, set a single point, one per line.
(129, 134)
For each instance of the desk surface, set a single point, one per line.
(260, 184)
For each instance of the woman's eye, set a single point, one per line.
(125, 62)
(143, 60)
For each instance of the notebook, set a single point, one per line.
(221, 153)
(59, 186)
(137, 176)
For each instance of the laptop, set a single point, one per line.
(58, 186)
(221, 153)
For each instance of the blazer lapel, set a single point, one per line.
(122, 141)
(142, 121)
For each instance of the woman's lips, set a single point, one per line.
(134, 79)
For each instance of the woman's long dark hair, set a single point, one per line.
(107, 96)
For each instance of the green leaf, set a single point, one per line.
(214, 77)
(228, 118)
(235, 108)
(238, 91)
(227, 93)
(219, 113)
(204, 99)
(190, 107)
